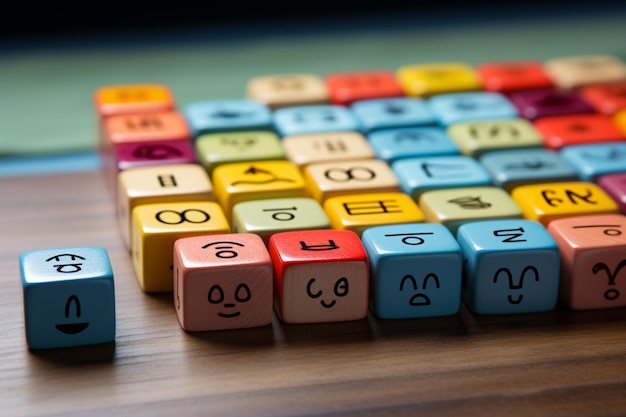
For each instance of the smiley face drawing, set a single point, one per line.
(216, 296)
(76, 327)
(340, 289)
(419, 298)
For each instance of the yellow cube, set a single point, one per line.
(547, 202)
(359, 211)
(424, 80)
(155, 228)
(238, 182)
(159, 184)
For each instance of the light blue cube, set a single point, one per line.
(418, 175)
(411, 142)
(593, 160)
(69, 297)
(228, 115)
(314, 119)
(510, 266)
(464, 107)
(393, 112)
(512, 168)
(415, 270)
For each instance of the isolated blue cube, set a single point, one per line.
(69, 297)
(510, 266)
(415, 270)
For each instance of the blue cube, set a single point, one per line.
(512, 168)
(465, 107)
(228, 115)
(314, 119)
(415, 270)
(510, 266)
(393, 112)
(69, 297)
(418, 175)
(410, 142)
(596, 159)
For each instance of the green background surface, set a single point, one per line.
(46, 85)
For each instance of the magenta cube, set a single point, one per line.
(615, 186)
(533, 104)
(222, 282)
(135, 155)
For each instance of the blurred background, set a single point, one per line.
(53, 57)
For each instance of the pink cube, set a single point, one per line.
(222, 282)
(319, 276)
(593, 260)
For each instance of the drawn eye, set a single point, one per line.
(428, 278)
(341, 287)
(216, 295)
(408, 278)
(242, 293)
(308, 289)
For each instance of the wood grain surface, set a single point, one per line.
(558, 363)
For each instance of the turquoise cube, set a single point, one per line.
(512, 168)
(69, 297)
(510, 266)
(464, 107)
(418, 175)
(314, 119)
(415, 271)
(593, 160)
(227, 116)
(393, 112)
(391, 145)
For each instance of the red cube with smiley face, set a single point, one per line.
(319, 276)
(222, 282)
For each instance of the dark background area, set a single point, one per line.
(32, 21)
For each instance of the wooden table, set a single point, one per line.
(557, 363)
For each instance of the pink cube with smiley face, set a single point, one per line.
(319, 276)
(222, 282)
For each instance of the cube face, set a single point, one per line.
(561, 131)
(392, 112)
(266, 217)
(307, 149)
(391, 145)
(606, 98)
(415, 271)
(592, 161)
(216, 149)
(425, 80)
(319, 276)
(222, 282)
(133, 98)
(576, 71)
(476, 138)
(330, 179)
(592, 259)
(69, 297)
(137, 155)
(512, 168)
(418, 175)
(463, 107)
(513, 75)
(534, 104)
(347, 87)
(227, 115)
(155, 228)
(456, 206)
(511, 266)
(548, 202)
(146, 127)
(284, 90)
(314, 119)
